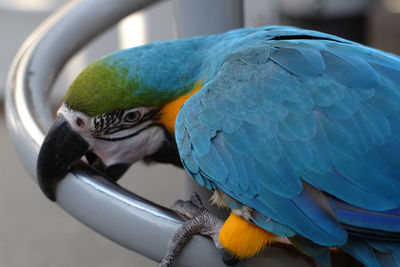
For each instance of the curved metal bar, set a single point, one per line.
(125, 218)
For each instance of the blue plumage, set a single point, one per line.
(367, 221)
(286, 110)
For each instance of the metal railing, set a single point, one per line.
(141, 225)
(107, 208)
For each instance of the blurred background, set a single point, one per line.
(36, 232)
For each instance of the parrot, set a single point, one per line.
(294, 131)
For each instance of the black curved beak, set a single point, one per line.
(60, 149)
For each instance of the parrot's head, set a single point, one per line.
(116, 112)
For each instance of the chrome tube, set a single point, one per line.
(112, 211)
(107, 208)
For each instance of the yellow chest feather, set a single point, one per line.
(171, 109)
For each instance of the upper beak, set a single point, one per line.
(60, 149)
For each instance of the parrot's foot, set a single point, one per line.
(200, 221)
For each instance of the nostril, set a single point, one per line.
(80, 122)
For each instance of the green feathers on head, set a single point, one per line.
(106, 86)
(102, 88)
(149, 75)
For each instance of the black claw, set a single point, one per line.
(230, 260)
(195, 199)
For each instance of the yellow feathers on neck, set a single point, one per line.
(242, 238)
(171, 109)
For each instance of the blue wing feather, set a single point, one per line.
(388, 252)
(362, 252)
(374, 253)
(368, 220)
(349, 70)
(298, 61)
(274, 115)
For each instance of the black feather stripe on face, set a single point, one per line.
(129, 135)
(112, 122)
(106, 120)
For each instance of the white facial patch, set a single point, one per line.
(120, 136)
(78, 121)
(126, 136)
(131, 149)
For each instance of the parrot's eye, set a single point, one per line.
(132, 116)
(79, 122)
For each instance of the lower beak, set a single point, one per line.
(113, 172)
(60, 149)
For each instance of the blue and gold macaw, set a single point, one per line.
(296, 131)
